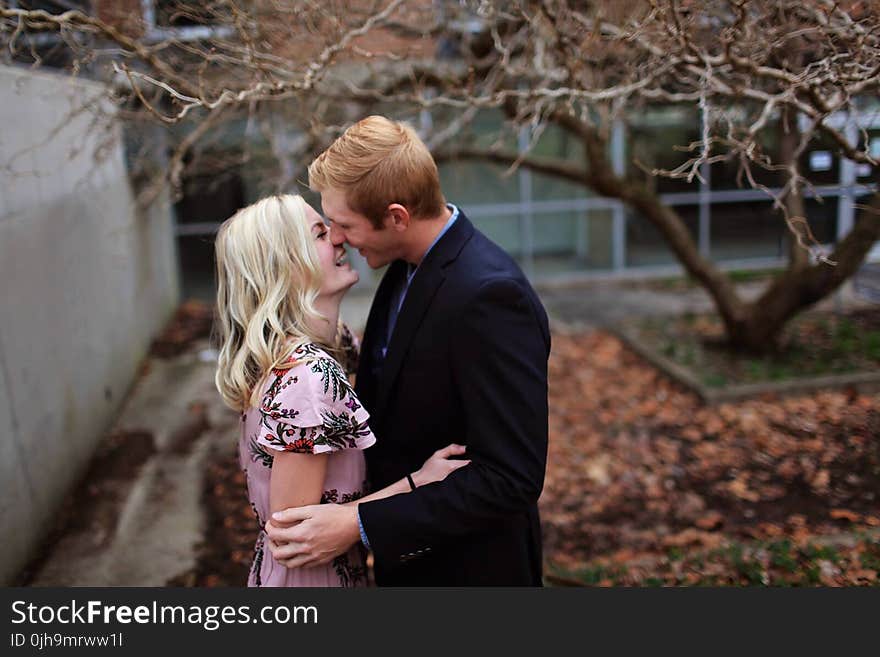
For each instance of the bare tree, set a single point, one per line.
(756, 72)
(204, 69)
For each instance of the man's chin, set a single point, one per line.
(376, 263)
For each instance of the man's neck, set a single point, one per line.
(423, 234)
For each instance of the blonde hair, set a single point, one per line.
(268, 277)
(377, 162)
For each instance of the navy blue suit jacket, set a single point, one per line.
(466, 363)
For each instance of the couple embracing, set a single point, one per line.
(447, 421)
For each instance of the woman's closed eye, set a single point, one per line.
(321, 234)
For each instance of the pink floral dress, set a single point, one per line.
(310, 408)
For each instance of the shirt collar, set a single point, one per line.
(411, 271)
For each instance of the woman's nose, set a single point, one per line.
(337, 237)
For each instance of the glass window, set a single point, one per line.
(598, 239)
(195, 256)
(504, 230)
(865, 172)
(557, 142)
(655, 138)
(210, 198)
(729, 174)
(555, 233)
(822, 217)
(569, 242)
(746, 230)
(820, 162)
(553, 188)
(645, 245)
(861, 203)
(468, 183)
(184, 13)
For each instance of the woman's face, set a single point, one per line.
(338, 274)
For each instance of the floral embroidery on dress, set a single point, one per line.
(333, 377)
(257, 566)
(350, 349)
(332, 497)
(339, 429)
(259, 453)
(349, 575)
(308, 407)
(272, 408)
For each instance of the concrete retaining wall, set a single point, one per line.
(86, 281)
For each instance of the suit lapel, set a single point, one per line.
(374, 333)
(425, 284)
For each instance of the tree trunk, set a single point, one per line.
(798, 289)
(789, 140)
(674, 231)
(754, 326)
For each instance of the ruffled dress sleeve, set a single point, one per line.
(311, 408)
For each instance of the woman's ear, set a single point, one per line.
(397, 217)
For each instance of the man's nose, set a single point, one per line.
(337, 237)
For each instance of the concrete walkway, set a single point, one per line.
(152, 523)
(601, 304)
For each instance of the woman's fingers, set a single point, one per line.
(450, 450)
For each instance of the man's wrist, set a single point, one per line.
(361, 531)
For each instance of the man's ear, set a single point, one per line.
(397, 217)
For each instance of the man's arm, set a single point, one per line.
(313, 535)
(499, 358)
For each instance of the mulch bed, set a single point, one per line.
(224, 557)
(814, 344)
(645, 485)
(639, 469)
(193, 320)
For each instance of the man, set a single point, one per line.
(455, 350)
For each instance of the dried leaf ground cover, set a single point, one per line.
(815, 344)
(647, 486)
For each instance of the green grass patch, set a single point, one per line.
(813, 345)
(779, 563)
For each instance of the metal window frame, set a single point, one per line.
(155, 32)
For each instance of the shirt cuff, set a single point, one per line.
(364, 538)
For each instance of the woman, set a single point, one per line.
(280, 285)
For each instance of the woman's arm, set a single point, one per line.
(438, 466)
(296, 480)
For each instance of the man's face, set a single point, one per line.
(379, 246)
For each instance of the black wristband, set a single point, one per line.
(411, 483)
